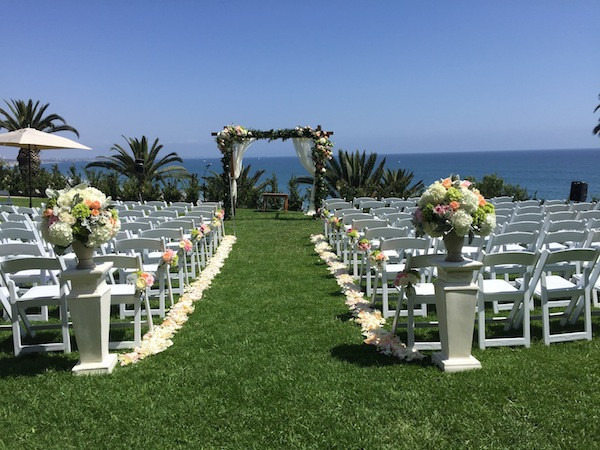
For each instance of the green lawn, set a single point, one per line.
(269, 359)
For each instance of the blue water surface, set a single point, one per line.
(545, 174)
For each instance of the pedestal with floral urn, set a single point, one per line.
(81, 217)
(453, 209)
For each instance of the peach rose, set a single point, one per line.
(454, 205)
(447, 183)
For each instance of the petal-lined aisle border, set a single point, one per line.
(159, 339)
(370, 320)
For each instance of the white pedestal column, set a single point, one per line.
(89, 305)
(455, 300)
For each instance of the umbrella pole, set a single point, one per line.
(29, 173)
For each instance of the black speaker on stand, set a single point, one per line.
(578, 191)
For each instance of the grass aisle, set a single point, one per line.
(269, 359)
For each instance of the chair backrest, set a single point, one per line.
(173, 234)
(560, 215)
(385, 232)
(179, 209)
(555, 202)
(402, 204)
(21, 234)
(412, 245)
(367, 205)
(17, 217)
(121, 261)
(186, 224)
(379, 212)
(33, 211)
(361, 224)
(499, 242)
(329, 201)
(210, 209)
(15, 265)
(583, 206)
(588, 215)
(529, 217)
(140, 245)
(135, 226)
(526, 226)
(21, 248)
(397, 216)
(555, 207)
(389, 200)
(163, 213)
(348, 218)
(572, 237)
(339, 205)
(535, 209)
(501, 199)
(513, 263)
(357, 200)
(198, 216)
(565, 225)
(146, 208)
(156, 203)
(134, 213)
(186, 204)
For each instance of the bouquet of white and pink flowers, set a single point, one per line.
(377, 258)
(141, 280)
(82, 214)
(455, 205)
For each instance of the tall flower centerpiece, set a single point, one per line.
(452, 208)
(80, 217)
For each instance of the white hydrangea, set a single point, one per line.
(61, 234)
(470, 200)
(99, 235)
(461, 222)
(93, 194)
(67, 218)
(65, 198)
(434, 194)
(488, 225)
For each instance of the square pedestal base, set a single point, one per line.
(103, 367)
(455, 364)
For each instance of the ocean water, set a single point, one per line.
(545, 174)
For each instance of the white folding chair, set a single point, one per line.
(502, 292)
(37, 296)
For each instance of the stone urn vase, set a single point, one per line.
(454, 244)
(84, 255)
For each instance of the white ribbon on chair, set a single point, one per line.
(237, 156)
(303, 147)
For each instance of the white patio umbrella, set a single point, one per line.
(33, 139)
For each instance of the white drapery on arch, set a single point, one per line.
(303, 147)
(237, 157)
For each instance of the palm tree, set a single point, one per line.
(140, 164)
(354, 174)
(396, 183)
(21, 114)
(597, 127)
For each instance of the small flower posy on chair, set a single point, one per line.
(377, 258)
(452, 204)
(169, 258)
(80, 213)
(364, 245)
(407, 279)
(141, 280)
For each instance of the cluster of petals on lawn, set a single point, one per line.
(370, 320)
(159, 339)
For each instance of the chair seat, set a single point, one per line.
(122, 290)
(497, 286)
(424, 290)
(555, 283)
(41, 293)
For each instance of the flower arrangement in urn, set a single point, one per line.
(80, 216)
(452, 208)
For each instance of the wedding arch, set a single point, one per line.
(312, 146)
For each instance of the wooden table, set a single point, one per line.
(274, 195)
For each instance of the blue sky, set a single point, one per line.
(385, 76)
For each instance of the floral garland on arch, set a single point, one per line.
(159, 339)
(321, 151)
(370, 320)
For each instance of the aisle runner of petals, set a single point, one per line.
(370, 320)
(159, 339)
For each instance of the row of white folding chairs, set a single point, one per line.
(546, 276)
